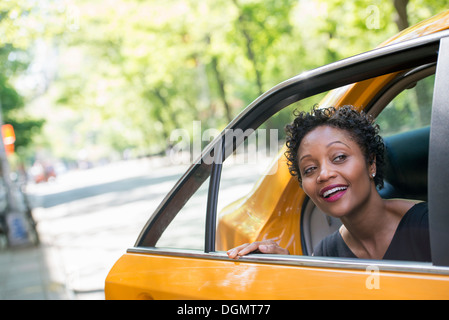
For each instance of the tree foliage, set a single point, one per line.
(20, 26)
(130, 72)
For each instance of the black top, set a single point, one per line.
(410, 242)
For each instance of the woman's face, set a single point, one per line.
(334, 171)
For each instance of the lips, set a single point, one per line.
(333, 192)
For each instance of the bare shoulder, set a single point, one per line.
(400, 207)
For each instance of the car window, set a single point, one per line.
(247, 165)
(255, 157)
(187, 230)
(409, 110)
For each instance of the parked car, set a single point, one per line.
(220, 203)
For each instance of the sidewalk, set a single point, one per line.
(31, 273)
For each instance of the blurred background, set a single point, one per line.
(88, 82)
(91, 92)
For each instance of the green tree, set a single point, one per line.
(134, 71)
(21, 23)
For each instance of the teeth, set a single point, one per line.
(329, 192)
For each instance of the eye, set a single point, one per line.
(308, 170)
(340, 158)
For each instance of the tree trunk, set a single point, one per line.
(221, 88)
(249, 49)
(402, 17)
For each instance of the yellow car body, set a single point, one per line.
(150, 272)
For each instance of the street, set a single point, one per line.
(86, 219)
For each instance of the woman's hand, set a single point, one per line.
(266, 246)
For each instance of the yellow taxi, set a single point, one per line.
(229, 196)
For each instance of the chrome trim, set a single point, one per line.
(302, 261)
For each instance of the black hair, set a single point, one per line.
(359, 125)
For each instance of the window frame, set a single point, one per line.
(393, 58)
(438, 155)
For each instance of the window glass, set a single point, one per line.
(187, 230)
(243, 169)
(411, 109)
(252, 161)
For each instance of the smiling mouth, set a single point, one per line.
(333, 193)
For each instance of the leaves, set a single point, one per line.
(133, 71)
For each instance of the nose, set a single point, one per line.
(326, 173)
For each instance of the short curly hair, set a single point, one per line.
(359, 125)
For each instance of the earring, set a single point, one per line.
(373, 175)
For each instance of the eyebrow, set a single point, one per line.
(307, 155)
(328, 145)
(337, 141)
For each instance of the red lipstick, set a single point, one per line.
(333, 192)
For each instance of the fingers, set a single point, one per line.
(266, 246)
(249, 248)
(236, 252)
(273, 249)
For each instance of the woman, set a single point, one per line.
(337, 156)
